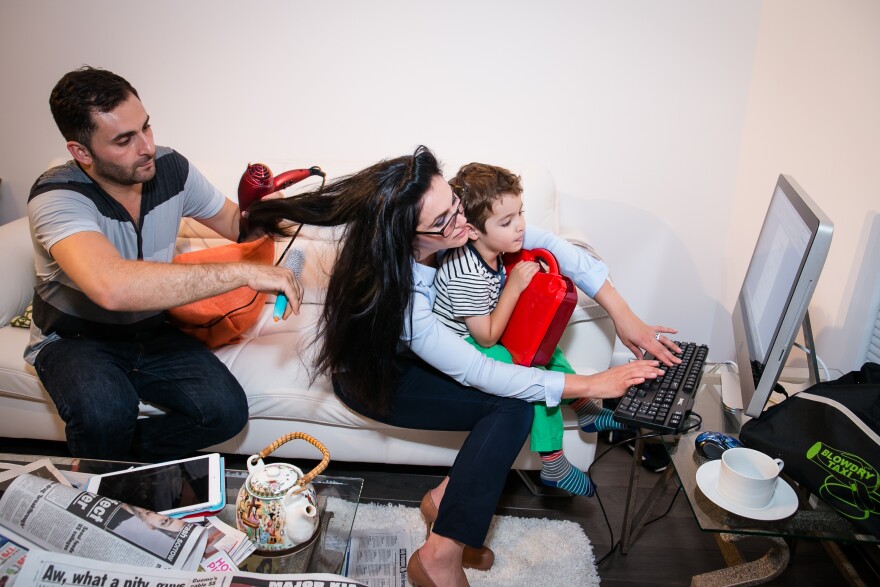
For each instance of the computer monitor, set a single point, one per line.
(782, 275)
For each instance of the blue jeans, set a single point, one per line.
(96, 385)
(427, 399)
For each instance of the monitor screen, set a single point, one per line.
(782, 275)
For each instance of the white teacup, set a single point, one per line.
(748, 477)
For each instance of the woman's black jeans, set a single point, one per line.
(427, 399)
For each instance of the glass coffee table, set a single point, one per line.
(338, 499)
(812, 520)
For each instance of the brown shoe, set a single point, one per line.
(481, 558)
(418, 576)
(416, 573)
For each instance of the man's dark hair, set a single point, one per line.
(80, 93)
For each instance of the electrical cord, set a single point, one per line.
(615, 544)
(732, 364)
(610, 531)
(818, 360)
(216, 320)
(668, 509)
(695, 421)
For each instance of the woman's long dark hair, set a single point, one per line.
(369, 292)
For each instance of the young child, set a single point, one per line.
(476, 299)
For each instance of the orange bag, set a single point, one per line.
(221, 319)
(541, 313)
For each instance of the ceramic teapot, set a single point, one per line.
(277, 506)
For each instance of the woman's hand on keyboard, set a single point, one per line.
(653, 340)
(612, 382)
(633, 332)
(638, 336)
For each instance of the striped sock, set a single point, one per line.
(592, 417)
(556, 471)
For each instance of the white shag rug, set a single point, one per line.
(528, 551)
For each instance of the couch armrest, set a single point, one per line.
(17, 270)
(588, 340)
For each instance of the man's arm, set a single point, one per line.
(119, 284)
(225, 222)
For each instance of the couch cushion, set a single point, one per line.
(17, 378)
(273, 363)
(16, 268)
(221, 319)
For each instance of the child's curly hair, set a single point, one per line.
(479, 186)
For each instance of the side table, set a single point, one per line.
(813, 519)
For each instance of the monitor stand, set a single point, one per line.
(809, 343)
(731, 401)
(731, 395)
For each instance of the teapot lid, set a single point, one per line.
(273, 480)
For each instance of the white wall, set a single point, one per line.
(814, 113)
(639, 109)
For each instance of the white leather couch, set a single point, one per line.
(273, 359)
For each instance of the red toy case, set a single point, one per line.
(542, 312)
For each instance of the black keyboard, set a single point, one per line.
(663, 404)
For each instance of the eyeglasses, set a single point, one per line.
(447, 228)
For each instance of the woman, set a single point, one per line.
(392, 361)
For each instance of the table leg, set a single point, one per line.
(632, 524)
(739, 572)
(843, 564)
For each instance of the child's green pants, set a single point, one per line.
(547, 427)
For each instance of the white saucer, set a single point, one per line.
(783, 504)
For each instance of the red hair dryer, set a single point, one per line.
(257, 182)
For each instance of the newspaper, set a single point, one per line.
(13, 552)
(378, 556)
(14, 548)
(225, 542)
(51, 569)
(62, 519)
(225, 546)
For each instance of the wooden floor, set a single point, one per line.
(668, 551)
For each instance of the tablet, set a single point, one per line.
(171, 488)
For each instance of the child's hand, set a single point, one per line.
(521, 275)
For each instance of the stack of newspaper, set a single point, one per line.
(43, 520)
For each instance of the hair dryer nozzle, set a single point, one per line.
(256, 182)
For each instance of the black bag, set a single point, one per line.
(829, 437)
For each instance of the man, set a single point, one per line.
(104, 227)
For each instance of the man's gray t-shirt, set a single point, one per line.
(65, 201)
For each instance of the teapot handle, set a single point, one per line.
(253, 462)
(308, 477)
